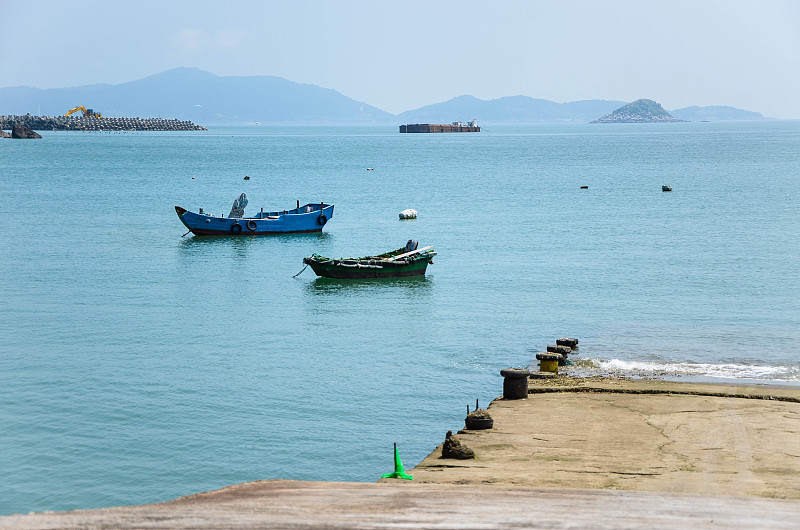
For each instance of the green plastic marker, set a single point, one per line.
(399, 472)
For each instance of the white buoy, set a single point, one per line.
(408, 214)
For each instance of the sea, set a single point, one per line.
(139, 363)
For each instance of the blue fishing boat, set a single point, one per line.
(308, 218)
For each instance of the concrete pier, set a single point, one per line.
(620, 434)
(82, 123)
(609, 453)
(352, 505)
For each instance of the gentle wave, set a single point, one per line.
(686, 370)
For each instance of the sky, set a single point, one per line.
(402, 55)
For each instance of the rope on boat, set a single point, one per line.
(301, 272)
(186, 233)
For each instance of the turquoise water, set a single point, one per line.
(139, 365)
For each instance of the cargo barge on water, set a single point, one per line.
(456, 126)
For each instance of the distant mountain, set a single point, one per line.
(716, 113)
(204, 98)
(200, 97)
(512, 109)
(639, 111)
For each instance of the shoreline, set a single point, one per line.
(603, 452)
(749, 389)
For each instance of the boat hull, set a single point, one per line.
(347, 273)
(390, 265)
(305, 219)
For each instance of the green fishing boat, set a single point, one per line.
(405, 261)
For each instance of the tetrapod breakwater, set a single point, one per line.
(84, 123)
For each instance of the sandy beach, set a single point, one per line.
(600, 453)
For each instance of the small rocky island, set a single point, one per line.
(640, 111)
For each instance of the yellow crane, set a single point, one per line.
(87, 113)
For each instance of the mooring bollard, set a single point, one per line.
(515, 383)
(556, 348)
(548, 362)
(478, 419)
(566, 341)
(564, 351)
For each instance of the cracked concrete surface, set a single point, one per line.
(636, 435)
(347, 505)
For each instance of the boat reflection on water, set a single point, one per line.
(215, 247)
(418, 285)
(211, 248)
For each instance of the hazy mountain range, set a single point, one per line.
(204, 98)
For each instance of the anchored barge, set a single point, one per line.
(456, 126)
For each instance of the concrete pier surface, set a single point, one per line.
(346, 505)
(682, 438)
(595, 453)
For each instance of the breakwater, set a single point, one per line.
(83, 123)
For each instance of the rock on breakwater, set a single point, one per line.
(82, 123)
(20, 131)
